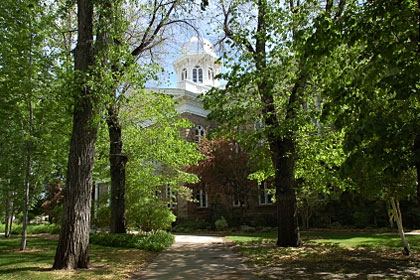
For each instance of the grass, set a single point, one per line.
(33, 229)
(36, 262)
(340, 239)
(326, 255)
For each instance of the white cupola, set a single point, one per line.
(197, 67)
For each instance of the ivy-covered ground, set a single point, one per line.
(36, 262)
(331, 256)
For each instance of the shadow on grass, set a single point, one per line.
(26, 268)
(322, 261)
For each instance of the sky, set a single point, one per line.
(172, 51)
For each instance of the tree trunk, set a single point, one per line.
(416, 151)
(396, 214)
(9, 215)
(27, 177)
(117, 162)
(73, 245)
(283, 153)
(26, 195)
(28, 149)
(282, 149)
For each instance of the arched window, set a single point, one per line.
(210, 73)
(197, 74)
(184, 75)
(199, 133)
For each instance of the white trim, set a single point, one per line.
(263, 191)
(203, 203)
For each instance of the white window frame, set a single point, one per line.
(200, 75)
(199, 133)
(263, 193)
(210, 73)
(197, 74)
(237, 202)
(184, 74)
(202, 203)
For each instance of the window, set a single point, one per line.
(200, 75)
(199, 133)
(170, 197)
(197, 74)
(184, 74)
(202, 197)
(210, 74)
(237, 202)
(265, 198)
(156, 193)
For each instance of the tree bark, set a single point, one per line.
(117, 162)
(73, 245)
(396, 213)
(416, 152)
(29, 145)
(283, 156)
(26, 190)
(9, 215)
(27, 182)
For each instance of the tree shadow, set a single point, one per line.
(316, 261)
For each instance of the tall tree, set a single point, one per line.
(152, 133)
(27, 92)
(72, 250)
(375, 98)
(158, 18)
(269, 85)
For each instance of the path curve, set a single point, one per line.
(197, 257)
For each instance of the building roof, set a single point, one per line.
(198, 45)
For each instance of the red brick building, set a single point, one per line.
(196, 68)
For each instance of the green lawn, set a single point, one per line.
(35, 263)
(341, 239)
(331, 255)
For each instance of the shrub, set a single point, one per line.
(34, 229)
(155, 241)
(265, 229)
(150, 215)
(221, 223)
(189, 225)
(103, 217)
(246, 228)
(46, 228)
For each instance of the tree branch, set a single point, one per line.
(146, 41)
(340, 10)
(230, 34)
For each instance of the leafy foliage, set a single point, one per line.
(157, 156)
(155, 241)
(150, 214)
(221, 224)
(374, 98)
(34, 229)
(225, 169)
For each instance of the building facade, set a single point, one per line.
(196, 69)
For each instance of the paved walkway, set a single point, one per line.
(197, 257)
